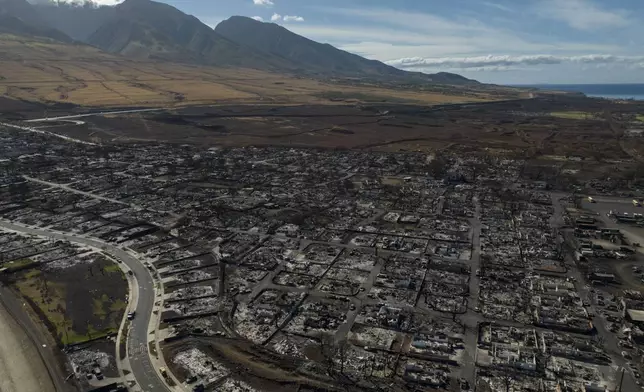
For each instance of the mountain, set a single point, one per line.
(77, 20)
(19, 17)
(317, 58)
(308, 54)
(450, 78)
(145, 29)
(20, 9)
(148, 29)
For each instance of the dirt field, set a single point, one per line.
(21, 368)
(79, 303)
(523, 127)
(45, 71)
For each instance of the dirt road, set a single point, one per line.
(21, 368)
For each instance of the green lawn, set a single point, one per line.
(112, 268)
(16, 263)
(640, 117)
(50, 299)
(574, 115)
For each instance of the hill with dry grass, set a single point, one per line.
(48, 71)
(145, 29)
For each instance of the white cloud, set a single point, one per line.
(79, 2)
(264, 3)
(384, 43)
(258, 18)
(581, 14)
(276, 17)
(293, 18)
(501, 62)
(500, 7)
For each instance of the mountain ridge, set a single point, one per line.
(142, 28)
(275, 39)
(19, 17)
(158, 31)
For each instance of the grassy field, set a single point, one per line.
(50, 72)
(16, 264)
(77, 309)
(640, 117)
(572, 115)
(112, 268)
(49, 298)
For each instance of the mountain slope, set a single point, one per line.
(317, 58)
(19, 17)
(20, 9)
(79, 21)
(147, 29)
(48, 71)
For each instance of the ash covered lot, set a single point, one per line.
(303, 269)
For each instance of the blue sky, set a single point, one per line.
(497, 41)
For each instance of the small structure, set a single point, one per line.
(635, 316)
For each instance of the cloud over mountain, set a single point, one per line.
(293, 18)
(510, 61)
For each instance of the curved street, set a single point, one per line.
(137, 343)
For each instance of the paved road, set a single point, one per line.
(93, 196)
(471, 318)
(610, 341)
(94, 114)
(40, 131)
(72, 190)
(138, 351)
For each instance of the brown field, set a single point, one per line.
(75, 311)
(49, 72)
(522, 127)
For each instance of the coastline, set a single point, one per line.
(633, 91)
(21, 366)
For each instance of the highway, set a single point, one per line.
(137, 343)
(94, 114)
(40, 131)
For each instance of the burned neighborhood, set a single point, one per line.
(249, 269)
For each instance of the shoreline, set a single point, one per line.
(21, 366)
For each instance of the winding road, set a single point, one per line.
(137, 344)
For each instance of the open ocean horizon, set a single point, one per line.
(609, 91)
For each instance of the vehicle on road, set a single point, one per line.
(131, 315)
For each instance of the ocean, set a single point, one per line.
(609, 91)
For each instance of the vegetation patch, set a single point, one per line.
(574, 115)
(640, 117)
(11, 265)
(79, 303)
(364, 97)
(113, 268)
